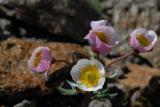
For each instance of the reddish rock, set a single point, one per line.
(16, 79)
(139, 76)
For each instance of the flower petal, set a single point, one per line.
(152, 36)
(98, 24)
(75, 71)
(99, 65)
(101, 47)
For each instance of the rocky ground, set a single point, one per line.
(61, 25)
(138, 84)
(16, 79)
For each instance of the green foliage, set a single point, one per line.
(103, 94)
(65, 91)
(96, 5)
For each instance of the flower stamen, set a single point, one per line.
(37, 59)
(143, 40)
(102, 36)
(90, 76)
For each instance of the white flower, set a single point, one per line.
(88, 74)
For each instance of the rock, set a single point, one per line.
(16, 79)
(20, 2)
(136, 95)
(138, 13)
(148, 96)
(139, 76)
(118, 99)
(152, 91)
(25, 103)
(52, 20)
(96, 103)
(138, 100)
(141, 102)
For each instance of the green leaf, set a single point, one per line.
(113, 95)
(104, 91)
(103, 94)
(64, 91)
(72, 84)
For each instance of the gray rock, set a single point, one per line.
(151, 92)
(19, 2)
(136, 95)
(96, 103)
(58, 20)
(25, 103)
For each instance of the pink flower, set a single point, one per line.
(142, 40)
(102, 37)
(40, 61)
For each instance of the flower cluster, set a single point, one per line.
(89, 74)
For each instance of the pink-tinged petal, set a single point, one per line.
(138, 30)
(133, 40)
(41, 60)
(151, 37)
(42, 67)
(103, 38)
(87, 36)
(102, 48)
(90, 34)
(112, 35)
(97, 45)
(134, 43)
(92, 39)
(98, 24)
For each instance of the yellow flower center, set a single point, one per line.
(90, 76)
(143, 40)
(37, 59)
(102, 36)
